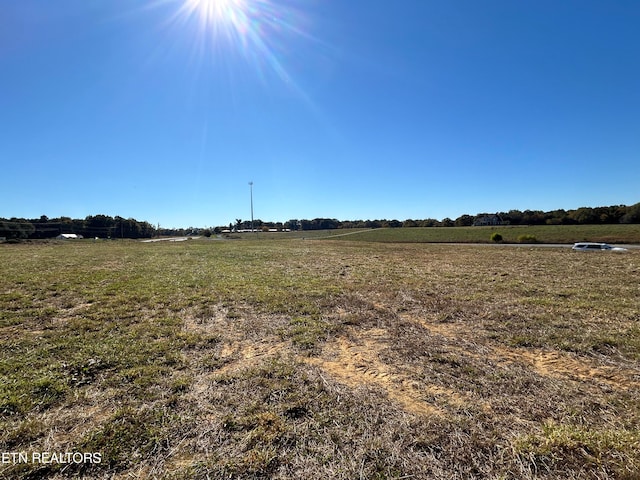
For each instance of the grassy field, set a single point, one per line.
(618, 234)
(319, 359)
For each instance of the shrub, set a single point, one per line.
(527, 239)
(496, 237)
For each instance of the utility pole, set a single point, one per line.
(251, 193)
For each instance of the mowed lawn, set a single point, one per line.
(319, 359)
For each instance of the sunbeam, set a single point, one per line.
(258, 30)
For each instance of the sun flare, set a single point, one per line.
(234, 34)
(215, 12)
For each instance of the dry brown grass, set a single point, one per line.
(325, 360)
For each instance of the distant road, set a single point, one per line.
(169, 239)
(344, 234)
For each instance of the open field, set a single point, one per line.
(616, 234)
(619, 234)
(319, 359)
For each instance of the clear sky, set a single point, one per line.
(165, 110)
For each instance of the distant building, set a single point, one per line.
(487, 221)
(69, 236)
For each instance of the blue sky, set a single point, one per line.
(164, 110)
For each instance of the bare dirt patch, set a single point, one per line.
(544, 362)
(566, 365)
(355, 360)
(246, 354)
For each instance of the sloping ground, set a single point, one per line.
(316, 360)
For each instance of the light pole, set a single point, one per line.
(251, 192)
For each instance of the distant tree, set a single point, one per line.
(632, 214)
(133, 228)
(101, 226)
(77, 225)
(291, 224)
(556, 217)
(428, 222)
(447, 222)
(320, 224)
(532, 217)
(584, 216)
(373, 224)
(16, 228)
(619, 211)
(305, 224)
(513, 217)
(147, 230)
(464, 221)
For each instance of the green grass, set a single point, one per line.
(545, 234)
(331, 359)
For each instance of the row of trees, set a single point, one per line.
(580, 216)
(293, 225)
(104, 226)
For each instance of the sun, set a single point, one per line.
(234, 34)
(236, 23)
(212, 13)
(254, 28)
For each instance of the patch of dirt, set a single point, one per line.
(76, 308)
(355, 358)
(67, 424)
(242, 354)
(444, 329)
(547, 363)
(357, 362)
(566, 365)
(215, 319)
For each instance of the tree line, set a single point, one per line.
(101, 226)
(580, 216)
(104, 226)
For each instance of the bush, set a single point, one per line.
(496, 237)
(527, 239)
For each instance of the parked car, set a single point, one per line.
(596, 247)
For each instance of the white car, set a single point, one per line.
(592, 246)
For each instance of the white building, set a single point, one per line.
(69, 236)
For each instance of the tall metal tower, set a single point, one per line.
(251, 193)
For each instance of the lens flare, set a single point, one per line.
(215, 16)
(258, 30)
